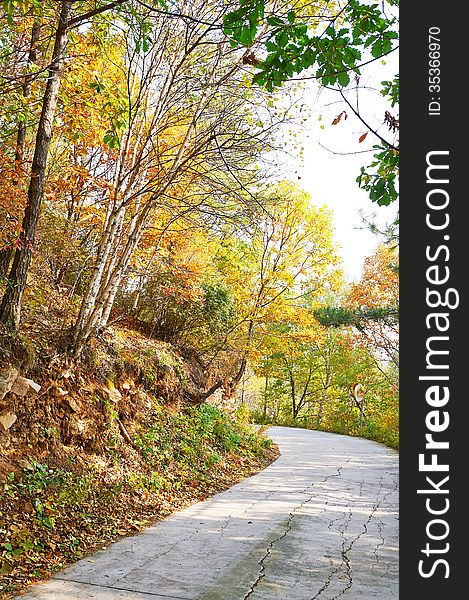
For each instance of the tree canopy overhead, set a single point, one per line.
(135, 137)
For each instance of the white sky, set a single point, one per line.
(330, 178)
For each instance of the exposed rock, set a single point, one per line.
(112, 394)
(80, 430)
(72, 404)
(8, 376)
(20, 387)
(79, 426)
(23, 386)
(7, 419)
(58, 391)
(33, 385)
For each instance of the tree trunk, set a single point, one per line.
(138, 293)
(199, 397)
(321, 408)
(32, 59)
(5, 260)
(293, 394)
(264, 408)
(243, 389)
(323, 399)
(302, 401)
(105, 285)
(94, 283)
(10, 308)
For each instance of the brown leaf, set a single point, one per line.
(250, 59)
(339, 117)
(362, 137)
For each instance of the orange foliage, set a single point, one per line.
(12, 201)
(379, 288)
(379, 284)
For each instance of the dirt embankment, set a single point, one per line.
(97, 450)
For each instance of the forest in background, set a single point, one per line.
(155, 261)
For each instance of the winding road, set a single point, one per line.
(320, 523)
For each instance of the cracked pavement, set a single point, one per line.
(321, 522)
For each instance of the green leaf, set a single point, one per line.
(245, 37)
(343, 79)
(232, 17)
(111, 139)
(282, 39)
(97, 87)
(275, 21)
(377, 49)
(10, 7)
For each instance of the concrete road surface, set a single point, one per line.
(320, 523)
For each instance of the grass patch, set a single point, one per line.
(52, 515)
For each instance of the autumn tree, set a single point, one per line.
(179, 295)
(285, 256)
(20, 56)
(278, 28)
(10, 307)
(378, 290)
(179, 144)
(11, 303)
(297, 371)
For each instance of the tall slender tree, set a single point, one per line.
(10, 308)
